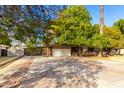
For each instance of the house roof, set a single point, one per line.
(3, 46)
(16, 42)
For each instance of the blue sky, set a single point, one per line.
(112, 13)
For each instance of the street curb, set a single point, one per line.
(7, 62)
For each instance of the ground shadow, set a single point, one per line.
(63, 72)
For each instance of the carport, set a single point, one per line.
(3, 50)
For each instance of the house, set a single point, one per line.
(16, 49)
(69, 50)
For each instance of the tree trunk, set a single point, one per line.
(47, 51)
(101, 27)
(119, 51)
(100, 52)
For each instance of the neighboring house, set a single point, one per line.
(15, 51)
(17, 48)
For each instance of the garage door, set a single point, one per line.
(61, 52)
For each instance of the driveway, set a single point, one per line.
(66, 72)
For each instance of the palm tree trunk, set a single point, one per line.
(47, 51)
(101, 27)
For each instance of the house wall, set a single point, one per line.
(15, 51)
(61, 52)
(122, 51)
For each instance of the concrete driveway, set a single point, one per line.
(68, 72)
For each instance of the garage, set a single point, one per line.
(61, 51)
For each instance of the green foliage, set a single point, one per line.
(100, 40)
(112, 37)
(4, 39)
(47, 39)
(28, 22)
(121, 42)
(7, 21)
(120, 24)
(96, 29)
(114, 34)
(28, 32)
(73, 26)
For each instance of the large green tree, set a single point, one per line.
(28, 23)
(114, 35)
(73, 26)
(111, 38)
(120, 25)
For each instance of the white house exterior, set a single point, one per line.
(61, 52)
(122, 51)
(15, 51)
(17, 48)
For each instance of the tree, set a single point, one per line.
(6, 23)
(121, 43)
(100, 40)
(101, 27)
(114, 34)
(4, 38)
(120, 24)
(27, 22)
(96, 29)
(73, 26)
(111, 38)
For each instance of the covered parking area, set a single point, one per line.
(3, 50)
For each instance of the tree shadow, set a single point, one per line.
(63, 72)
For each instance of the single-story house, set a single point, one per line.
(16, 49)
(11, 51)
(57, 50)
(53, 50)
(66, 50)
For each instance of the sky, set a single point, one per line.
(112, 13)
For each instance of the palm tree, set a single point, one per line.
(101, 27)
